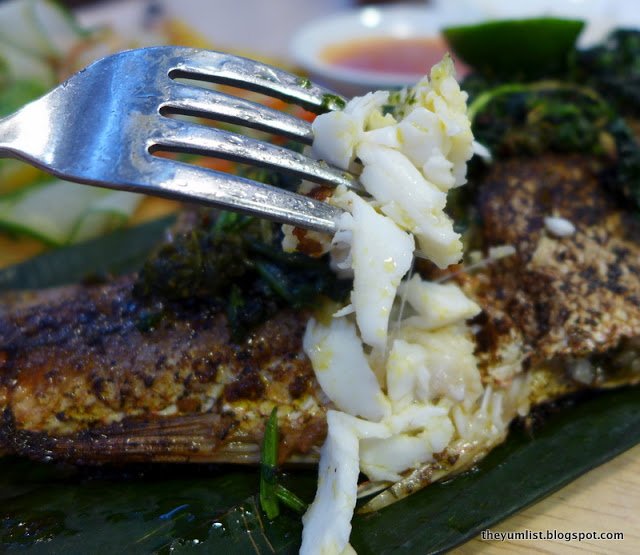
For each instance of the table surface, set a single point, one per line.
(607, 499)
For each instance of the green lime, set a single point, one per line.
(536, 47)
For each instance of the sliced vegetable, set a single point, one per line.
(110, 211)
(57, 25)
(20, 64)
(60, 212)
(613, 69)
(18, 28)
(41, 28)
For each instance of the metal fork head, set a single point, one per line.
(104, 124)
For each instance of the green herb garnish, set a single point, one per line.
(304, 82)
(532, 118)
(236, 262)
(333, 102)
(271, 492)
(518, 118)
(290, 499)
(269, 467)
(613, 69)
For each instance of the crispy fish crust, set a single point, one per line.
(89, 374)
(98, 376)
(563, 296)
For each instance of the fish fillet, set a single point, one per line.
(90, 374)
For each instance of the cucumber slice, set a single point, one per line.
(107, 213)
(57, 26)
(58, 212)
(41, 28)
(18, 28)
(118, 253)
(21, 65)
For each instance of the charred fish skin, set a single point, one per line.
(564, 297)
(101, 376)
(542, 320)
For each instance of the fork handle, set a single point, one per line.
(28, 133)
(9, 136)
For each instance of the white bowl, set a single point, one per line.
(399, 22)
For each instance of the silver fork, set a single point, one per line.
(102, 126)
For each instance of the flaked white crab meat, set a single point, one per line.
(401, 389)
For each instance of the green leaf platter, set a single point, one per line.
(48, 508)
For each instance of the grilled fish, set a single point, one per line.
(85, 378)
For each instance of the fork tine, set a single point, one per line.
(182, 181)
(181, 136)
(196, 101)
(217, 67)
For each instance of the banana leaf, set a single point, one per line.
(119, 252)
(47, 508)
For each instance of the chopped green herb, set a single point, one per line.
(388, 109)
(271, 492)
(411, 97)
(290, 499)
(333, 102)
(529, 119)
(236, 262)
(230, 221)
(148, 320)
(395, 97)
(269, 467)
(533, 118)
(613, 69)
(276, 279)
(304, 82)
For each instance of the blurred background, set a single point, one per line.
(268, 27)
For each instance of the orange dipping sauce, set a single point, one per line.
(413, 56)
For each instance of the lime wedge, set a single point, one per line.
(532, 48)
